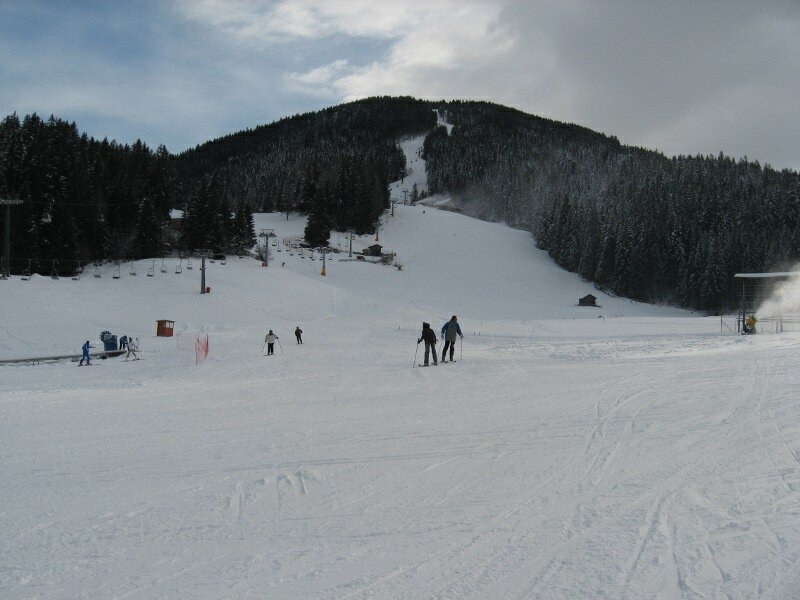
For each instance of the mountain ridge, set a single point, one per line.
(632, 220)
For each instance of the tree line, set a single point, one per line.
(631, 220)
(333, 165)
(86, 200)
(634, 222)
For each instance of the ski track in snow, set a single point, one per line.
(642, 454)
(502, 475)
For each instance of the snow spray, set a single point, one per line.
(784, 300)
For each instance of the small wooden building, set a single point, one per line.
(165, 328)
(374, 250)
(588, 300)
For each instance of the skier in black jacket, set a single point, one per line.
(430, 342)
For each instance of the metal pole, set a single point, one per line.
(203, 275)
(7, 245)
(350, 255)
(7, 237)
(324, 254)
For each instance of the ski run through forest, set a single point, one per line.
(624, 451)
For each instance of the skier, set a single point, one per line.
(133, 348)
(86, 347)
(123, 342)
(298, 333)
(270, 341)
(449, 332)
(430, 343)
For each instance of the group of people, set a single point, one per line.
(450, 330)
(271, 338)
(125, 343)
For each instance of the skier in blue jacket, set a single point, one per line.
(86, 347)
(449, 332)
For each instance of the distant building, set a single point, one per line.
(374, 250)
(588, 300)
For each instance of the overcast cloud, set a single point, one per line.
(680, 76)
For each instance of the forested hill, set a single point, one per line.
(334, 164)
(632, 220)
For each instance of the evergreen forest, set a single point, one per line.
(639, 224)
(631, 220)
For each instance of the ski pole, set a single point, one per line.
(279, 344)
(262, 347)
(461, 351)
(415, 356)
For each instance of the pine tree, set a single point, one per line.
(606, 266)
(244, 233)
(149, 240)
(318, 226)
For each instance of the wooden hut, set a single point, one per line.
(588, 300)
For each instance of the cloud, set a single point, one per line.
(319, 81)
(684, 77)
(267, 22)
(437, 41)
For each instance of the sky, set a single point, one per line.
(679, 76)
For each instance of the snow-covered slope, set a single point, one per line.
(641, 454)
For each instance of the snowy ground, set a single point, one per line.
(625, 452)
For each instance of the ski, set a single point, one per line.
(433, 365)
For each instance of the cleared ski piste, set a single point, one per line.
(642, 454)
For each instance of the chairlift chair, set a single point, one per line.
(54, 272)
(163, 266)
(179, 268)
(96, 271)
(189, 264)
(151, 270)
(116, 273)
(26, 274)
(132, 270)
(76, 274)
